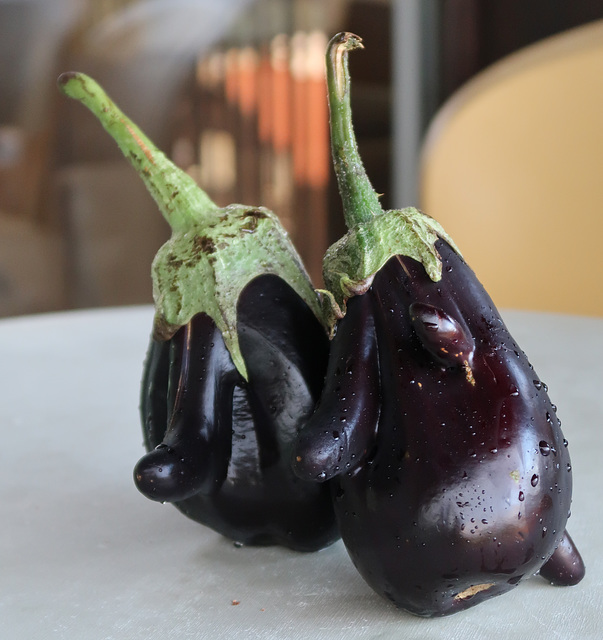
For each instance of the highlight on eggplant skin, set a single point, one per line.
(219, 447)
(462, 485)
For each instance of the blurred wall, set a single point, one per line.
(77, 227)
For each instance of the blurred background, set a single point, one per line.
(234, 92)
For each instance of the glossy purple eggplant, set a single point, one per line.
(236, 361)
(453, 481)
(220, 446)
(463, 486)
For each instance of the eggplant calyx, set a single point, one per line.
(351, 263)
(206, 270)
(213, 252)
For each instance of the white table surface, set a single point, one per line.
(84, 556)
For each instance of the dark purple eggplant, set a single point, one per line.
(224, 458)
(236, 360)
(453, 482)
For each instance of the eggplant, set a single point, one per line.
(450, 474)
(235, 362)
(223, 459)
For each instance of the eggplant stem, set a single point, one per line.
(360, 200)
(181, 201)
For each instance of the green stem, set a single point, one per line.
(181, 201)
(360, 200)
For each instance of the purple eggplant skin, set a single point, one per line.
(565, 567)
(219, 447)
(345, 426)
(464, 486)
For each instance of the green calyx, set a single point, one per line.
(213, 252)
(374, 235)
(351, 263)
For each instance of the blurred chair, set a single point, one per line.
(512, 167)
